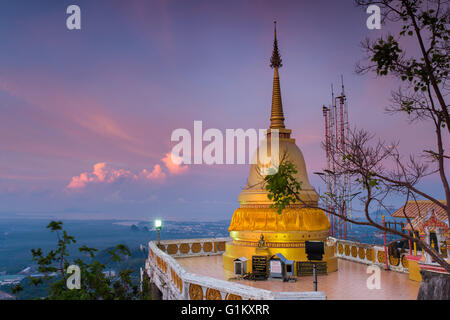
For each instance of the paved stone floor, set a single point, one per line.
(348, 283)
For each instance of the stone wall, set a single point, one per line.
(369, 254)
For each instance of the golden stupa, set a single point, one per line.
(256, 228)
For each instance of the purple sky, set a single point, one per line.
(111, 94)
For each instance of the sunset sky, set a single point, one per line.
(87, 115)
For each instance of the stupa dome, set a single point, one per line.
(254, 193)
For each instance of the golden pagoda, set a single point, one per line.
(255, 222)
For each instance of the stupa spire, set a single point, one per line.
(276, 115)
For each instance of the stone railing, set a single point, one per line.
(369, 254)
(175, 283)
(194, 247)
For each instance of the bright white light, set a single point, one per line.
(158, 223)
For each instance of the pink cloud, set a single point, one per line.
(156, 174)
(99, 171)
(173, 164)
(80, 181)
(102, 173)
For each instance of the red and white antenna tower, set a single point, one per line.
(338, 185)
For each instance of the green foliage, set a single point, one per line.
(146, 289)
(369, 181)
(18, 288)
(427, 21)
(386, 54)
(282, 186)
(95, 283)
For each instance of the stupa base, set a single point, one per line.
(292, 250)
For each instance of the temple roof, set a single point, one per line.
(419, 208)
(430, 220)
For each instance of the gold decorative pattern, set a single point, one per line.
(393, 260)
(172, 249)
(268, 206)
(292, 219)
(207, 247)
(369, 254)
(361, 253)
(196, 247)
(298, 237)
(381, 257)
(340, 248)
(347, 250)
(195, 292)
(177, 280)
(285, 244)
(270, 244)
(213, 294)
(231, 296)
(354, 252)
(184, 248)
(162, 265)
(162, 247)
(221, 246)
(405, 262)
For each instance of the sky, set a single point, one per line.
(87, 115)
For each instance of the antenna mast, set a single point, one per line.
(338, 184)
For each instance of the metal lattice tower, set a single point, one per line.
(338, 185)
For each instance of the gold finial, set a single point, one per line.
(275, 60)
(275, 29)
(276, 116)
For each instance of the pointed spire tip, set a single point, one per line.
(276, 116)
(275, 60)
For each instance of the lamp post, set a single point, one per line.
(158, 226)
